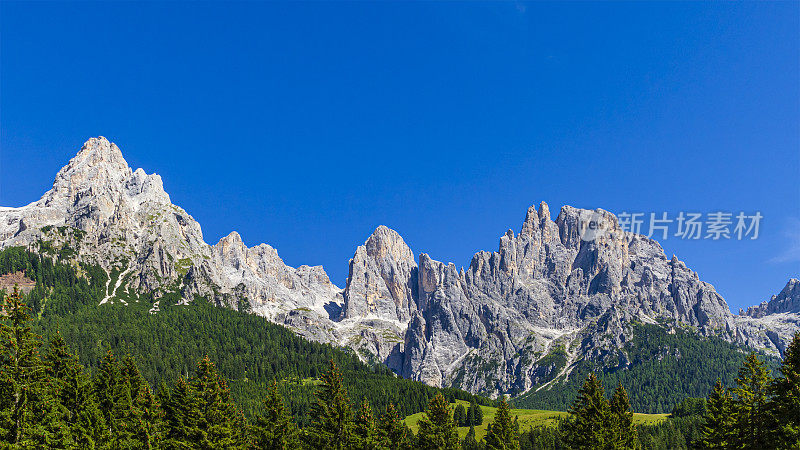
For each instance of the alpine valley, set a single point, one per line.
(528, 320)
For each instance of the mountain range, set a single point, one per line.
(575, 286)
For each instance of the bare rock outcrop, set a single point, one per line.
(559, 291)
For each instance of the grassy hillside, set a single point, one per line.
(527, 418)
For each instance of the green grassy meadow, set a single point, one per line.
(527, 418)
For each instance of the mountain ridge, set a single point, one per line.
(484, 328)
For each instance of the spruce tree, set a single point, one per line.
(460, 415)
(30, 415)
(588, 427)
(393, 433)
(145, 415)
(717, 431)
(331, 416)
(785, 404)
(751, 396)
(218, 423)
(478, 414)
(114, 401)
(75, 393)
(180, 415)
(364, 434)
(469, 442)
(436, 428)
(502, 434)
(622, 431)
(275, 429)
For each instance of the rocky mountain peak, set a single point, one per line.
(787, 301)
(569, 282)
(99, 162)
(385, 243)
(380, 278)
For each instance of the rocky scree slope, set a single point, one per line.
(513, 320)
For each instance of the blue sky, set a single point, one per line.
(305, 125)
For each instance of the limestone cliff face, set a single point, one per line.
(125, 220)
(573, 284)
(380, 282)
(771, 324)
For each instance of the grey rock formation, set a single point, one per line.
(557, 292)
(787, 301)
(772, 324)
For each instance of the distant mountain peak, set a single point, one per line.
(786, 301)
(557, 283)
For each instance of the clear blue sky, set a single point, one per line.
(306, 125)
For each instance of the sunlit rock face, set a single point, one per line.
(574, 284)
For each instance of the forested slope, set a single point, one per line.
(663, 365)
(248, 350)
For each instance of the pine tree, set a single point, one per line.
(275, 429)
(364, 433)
(436, 428)
(331, 422)
(218, 423)
(588, 428)
(30, 414)
(469, 442)
(785, 404)
(750, 404)
(717, 431)
(393, 433)
(75, 393)
(460, 415)
(502, 435)
(180, 414)
(478, 413)
(145, 415)
(114, 401)
(622, 431)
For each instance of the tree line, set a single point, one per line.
(760, 412)
(168, 344)
(49, 400)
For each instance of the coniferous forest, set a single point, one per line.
(73, 378)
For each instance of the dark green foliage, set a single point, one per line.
(75, 391)
(392, 432)
(752, 426)
(717, 431)
(331, 422)
(474, 414)
(599, 423)
(469, 442)
(167, 344)
(460, 415)
(179, 414)
(588, 427)
(689, 407)
(671, 434)
(503, 434)
(275, 429)
(665, 368)
(622, 433)
(437, 431)
(217, 424)
(30, 415)
(365, 435)
(785, 406)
